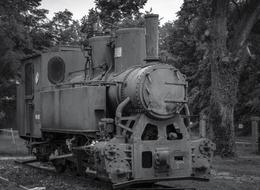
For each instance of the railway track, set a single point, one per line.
(48, 168)
(33, 163)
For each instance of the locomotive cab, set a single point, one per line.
(41, 72)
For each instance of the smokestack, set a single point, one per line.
(152, 36)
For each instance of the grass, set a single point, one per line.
(238, 166)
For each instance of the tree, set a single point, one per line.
(38, 27)
(248, 103)
(109, 15)
(89, 23)
(17, 19)
(112, 12)
(186, 41)
(203, 39)
(228, 53)
(15, 42)
(64, 29)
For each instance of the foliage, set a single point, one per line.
(113, 11)
(249, 89)
(111, 15)
(64, 29)
(90, 23)
(189, 41)
(38, 28)
(15, 19)
(185, 39)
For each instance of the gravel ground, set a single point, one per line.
(236, 174)
(31, 178)
(9, 186)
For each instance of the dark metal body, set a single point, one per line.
(34, 81)
(111, 114)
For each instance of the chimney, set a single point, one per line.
(152, 36)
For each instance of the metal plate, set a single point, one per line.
(163, 91)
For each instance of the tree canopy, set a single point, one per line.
(111, 12)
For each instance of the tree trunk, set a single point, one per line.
(223, 128)
(224, 82)
(223, 99)
(226, 63)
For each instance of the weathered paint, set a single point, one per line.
(129, 48)
(74, 60)
(101, 54)
(179, 147)
(158, 89)
(23, 101)
(76, 109)
(152, 37)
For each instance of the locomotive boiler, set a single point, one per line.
(113, 112)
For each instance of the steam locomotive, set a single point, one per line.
(112, 111)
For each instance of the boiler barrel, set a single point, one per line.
(159, 90)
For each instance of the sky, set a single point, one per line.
(165, 8)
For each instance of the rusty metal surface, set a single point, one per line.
(74, 60)
(160, 90)
(152, 35)
(101, 54)
(74, 109)
(144, 181)
(28, 104)
(174, 148)
(129, 48)
(40, 80)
